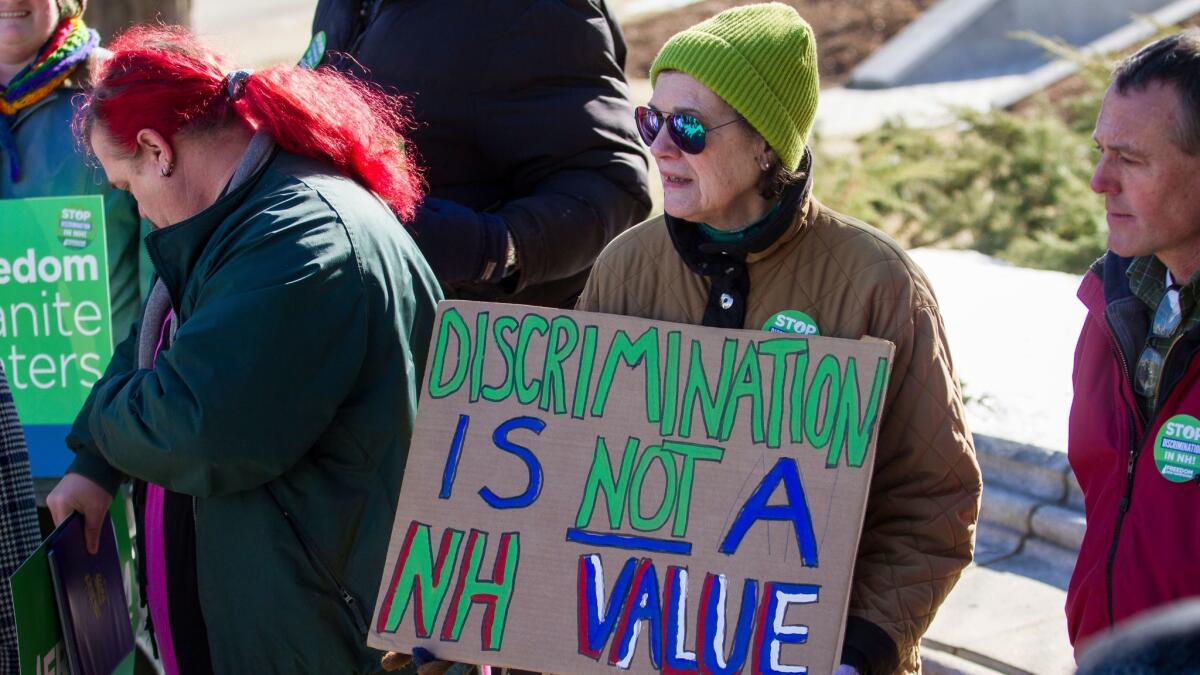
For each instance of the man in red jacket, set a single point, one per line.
(1134, 430)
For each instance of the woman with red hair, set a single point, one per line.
(264, 409)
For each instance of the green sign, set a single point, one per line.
(1177, 449)
(55, 319)
(39, 637)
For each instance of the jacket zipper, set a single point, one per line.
(347, 598)
(1130, 466)
(1122, 509)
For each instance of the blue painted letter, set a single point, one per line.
(594, 629)
(773, 632)
(711, 626)
(456, 447)
(796, 510)
(534, 488)
(642, 605)
(676, 657)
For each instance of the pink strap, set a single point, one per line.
(156, 552)
(163, 334)
(156, 578)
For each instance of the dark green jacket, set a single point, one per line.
(53, 166)
(291, 386)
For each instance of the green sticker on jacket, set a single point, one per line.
(315, 52)
(792, 321)
(1177, 449)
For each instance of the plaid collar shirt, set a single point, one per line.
(1147, 275)
(1147, 280)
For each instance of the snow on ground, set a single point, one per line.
(1012, 335)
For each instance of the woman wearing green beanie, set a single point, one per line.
(745, 244)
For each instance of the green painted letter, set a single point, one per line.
(415, 575)
(600, 477)
(564, 335)
(821, 402)
(451, 321)
(643, 353)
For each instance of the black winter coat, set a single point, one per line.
(522, 111)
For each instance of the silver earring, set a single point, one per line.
(167, 170)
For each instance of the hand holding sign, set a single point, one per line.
(582, 490)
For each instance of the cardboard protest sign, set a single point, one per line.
(55, 323)
(586, 491)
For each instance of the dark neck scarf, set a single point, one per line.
(70, 44)
(724, 263)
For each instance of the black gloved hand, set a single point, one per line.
(461, 244)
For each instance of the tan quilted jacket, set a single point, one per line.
(919, 530)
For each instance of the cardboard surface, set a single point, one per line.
(55, 317)
(587, 490)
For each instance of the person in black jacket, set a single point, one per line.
(524, 129)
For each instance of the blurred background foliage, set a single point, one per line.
(1008, 183)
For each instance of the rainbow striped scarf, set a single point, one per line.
(70, 44)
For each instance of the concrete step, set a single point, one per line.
(1005, 615)
(1028, 469)
(1031, 504)
(972, 39)
(846, 112)
(1027, 516)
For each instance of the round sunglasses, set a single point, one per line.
(686, 132)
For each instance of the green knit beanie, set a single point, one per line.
(762, 60)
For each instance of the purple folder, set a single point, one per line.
(90, 593)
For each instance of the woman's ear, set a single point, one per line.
(157, 151)
(767, 158)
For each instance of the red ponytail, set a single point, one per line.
(162, 78)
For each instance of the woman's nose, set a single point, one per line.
(663, 146)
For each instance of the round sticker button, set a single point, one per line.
(1177, 449)
(792, 321)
